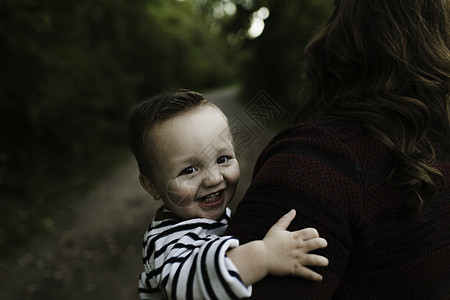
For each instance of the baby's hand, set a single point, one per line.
(287, 252)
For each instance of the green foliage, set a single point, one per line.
(185, 54)
(70, 71)
(274, 60)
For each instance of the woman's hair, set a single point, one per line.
(146, 116)
(386, 64)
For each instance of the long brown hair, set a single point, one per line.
(386, 64)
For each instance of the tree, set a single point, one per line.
(274, 59)
(70, 72)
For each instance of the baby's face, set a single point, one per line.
(195, 170)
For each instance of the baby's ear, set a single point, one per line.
(148, 186)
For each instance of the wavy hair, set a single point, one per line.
(386, 64)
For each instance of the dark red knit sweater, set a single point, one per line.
(334, 174)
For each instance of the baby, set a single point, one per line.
(185, 153)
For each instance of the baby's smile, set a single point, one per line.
(211, 200)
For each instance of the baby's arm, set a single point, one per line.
(280, 253)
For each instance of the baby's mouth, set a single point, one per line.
(212, 199)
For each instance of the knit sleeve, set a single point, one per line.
(314, 172)
(185, 263)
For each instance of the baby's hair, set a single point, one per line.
(152, 112)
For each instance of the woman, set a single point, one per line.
(371, 167)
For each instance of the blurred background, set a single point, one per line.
(72, 213)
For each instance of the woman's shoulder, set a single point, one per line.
(324, 131)
(323, 164)
(342, 140)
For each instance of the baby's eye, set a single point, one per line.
(188, 170)
(223, 159)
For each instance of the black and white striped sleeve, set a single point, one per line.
(187, 260)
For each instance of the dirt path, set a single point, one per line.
(96, 253)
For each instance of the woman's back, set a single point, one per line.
(374, 178)
(335, 175)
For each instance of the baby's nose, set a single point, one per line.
(212, 177)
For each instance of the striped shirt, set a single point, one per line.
(185, 259)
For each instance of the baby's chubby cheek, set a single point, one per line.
(180, 193)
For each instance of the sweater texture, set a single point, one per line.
(335, 175)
